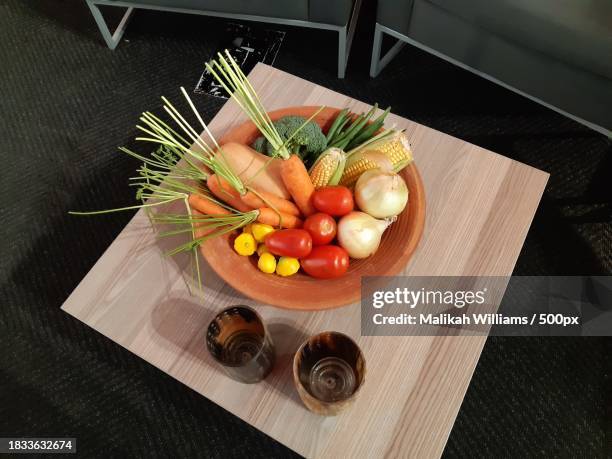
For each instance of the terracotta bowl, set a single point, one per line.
(301, 291)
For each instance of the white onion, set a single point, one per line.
(359, 233)
(381, 194)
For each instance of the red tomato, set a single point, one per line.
(321, 227)
(333, 200)
(326, 261)
(295, 243)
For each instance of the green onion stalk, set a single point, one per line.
(230, 76)
(213, 157)
(348, 131)
(173, 172)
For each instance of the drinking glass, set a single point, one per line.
(238, 339)
(328, 370)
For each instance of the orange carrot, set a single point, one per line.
(254, 200)
(224, 191)
(206, 206)
(296, 179)
(272, 218)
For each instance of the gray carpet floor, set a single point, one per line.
(67, 102)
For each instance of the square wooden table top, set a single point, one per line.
(479, 208)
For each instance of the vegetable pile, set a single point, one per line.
(298, 198)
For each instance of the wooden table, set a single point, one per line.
(479, 208)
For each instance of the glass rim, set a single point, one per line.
(296, 379)
(261, 345)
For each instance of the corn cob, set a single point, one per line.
(328, 168)
(394, 147)
(363, 161)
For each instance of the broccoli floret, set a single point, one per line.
(259, 144)
(308, 140)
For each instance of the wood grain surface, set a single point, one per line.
(479, 208)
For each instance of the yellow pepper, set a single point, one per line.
(245, 244)
(266, 263)
(262, 249)
(260, 231)
(287, 266)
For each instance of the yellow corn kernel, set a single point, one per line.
(396, 147)
(322, 171)
(391, 153)
(355, 169)
(327, 168)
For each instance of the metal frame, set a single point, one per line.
(345, 33)
(111, 39)
(377, 64)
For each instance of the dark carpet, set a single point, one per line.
(67, 102)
